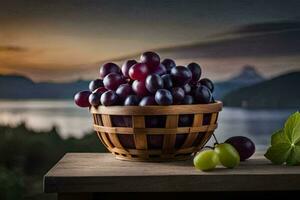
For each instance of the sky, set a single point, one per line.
(67, 40)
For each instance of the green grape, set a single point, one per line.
(228, 155)
(206, 160)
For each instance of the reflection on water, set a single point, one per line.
(72, 121)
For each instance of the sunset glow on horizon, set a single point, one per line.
(63, 41)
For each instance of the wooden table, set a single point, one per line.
(78, 175)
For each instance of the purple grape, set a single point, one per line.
(150, 58)
(123, 91)
(82, 98)
(155, 141)
(196, 71)
(160, 69)
(153, 83)
(243, 145)
(132, 100)
(163, 97)
(185, 120)
(178, 95)
(112, 81)
(127, 141)
(139, 71)
(121, 121)
(203, 95)
(147, 101)
(180, 139)
(169, 64)
(100, 90)
(109, 98)
(187, 100)
(208, 83)
(95, 84)
(94, 99)
(109, 68)
(168, 84)
(181, 75)
(187, 88)
(139, 88)
(157, 121)
(126, 66)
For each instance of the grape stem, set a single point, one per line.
(215, 139)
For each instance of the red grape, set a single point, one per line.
(163, 97)
(112, 81)
(132, 100)
(100, 90)
(153, 83)
(147, 101)
(139, 71)
(139, 88)
(126, 66)
(178, 95)
(181, 75)
(203, 95)
(168, 84)
(123, 91)
(243, 145)
(169, 64)
(196, 71)
(159, 69)
(208, 83)
(82, 98)
(109, 68)
(150, 58)
(109, 98)
(95, 84)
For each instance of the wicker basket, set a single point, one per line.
(155, 133)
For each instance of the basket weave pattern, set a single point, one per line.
(170, 141)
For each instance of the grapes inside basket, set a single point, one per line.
(152, 109)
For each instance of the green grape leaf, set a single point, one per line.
(292, 127)
(278, 137)
(278, 153)
(294, 157)
(285, 143)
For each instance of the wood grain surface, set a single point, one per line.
(101, 172)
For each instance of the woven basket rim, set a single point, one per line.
(158, 110)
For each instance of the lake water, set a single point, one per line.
(73, 121)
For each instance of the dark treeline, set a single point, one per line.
(26, 155)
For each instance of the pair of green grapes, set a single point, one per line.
(224, 154)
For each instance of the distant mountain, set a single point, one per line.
(19, 87)
(248, 76)
(279, 92)
(271, 44)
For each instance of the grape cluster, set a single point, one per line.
(147, 82)
(229, 153)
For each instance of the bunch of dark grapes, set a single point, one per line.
(147, 82)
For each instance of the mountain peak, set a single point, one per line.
(15, 77)
(248, 76)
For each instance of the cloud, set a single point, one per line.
(276, 39)
(264, 27)
(11, 48)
